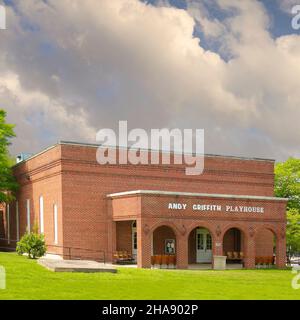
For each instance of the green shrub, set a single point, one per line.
(33, 244)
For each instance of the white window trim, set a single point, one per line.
(28, 214)
(17, 221)
(41, 214)
(55, 223)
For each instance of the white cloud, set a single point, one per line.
(87, 65)
(35, 114)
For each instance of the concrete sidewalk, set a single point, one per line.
(57, 265)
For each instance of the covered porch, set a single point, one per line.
(150, 232)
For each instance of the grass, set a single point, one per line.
(28, 280)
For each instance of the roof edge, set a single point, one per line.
(94, 145)
(63, 142)
(36, 155)
(192, 194)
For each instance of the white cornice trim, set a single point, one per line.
(191, 194)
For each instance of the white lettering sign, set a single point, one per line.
(207, 207)
(244, 209)
(216, 207)
(177, 206)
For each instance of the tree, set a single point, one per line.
(33, 244)
(8, 184)
(287, 182)
(287, 185)
(293, 231)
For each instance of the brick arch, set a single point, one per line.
(268, 227)
(158, 237)
(236, 226)
(167, 224)
(202, 224)
(192, 245)
(244, 232)
(262, 237)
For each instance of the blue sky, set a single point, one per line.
(280, 19)
(230, 67)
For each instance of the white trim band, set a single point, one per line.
(191, 194)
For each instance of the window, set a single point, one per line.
(135, 240)
(208, 242)
(28, 214)
(200, 241)
(55, 224)
(17, 221)
(41, 214)
(134, 236)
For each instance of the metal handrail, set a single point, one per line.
(67, 251)
(10, 240)
(72, 255)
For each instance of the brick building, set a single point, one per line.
(93, 210)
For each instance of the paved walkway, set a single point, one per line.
(57, 265)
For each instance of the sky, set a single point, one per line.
(69, 68)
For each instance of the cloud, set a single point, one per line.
(68, 69)
(38, 117)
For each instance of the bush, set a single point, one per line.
(33, 244)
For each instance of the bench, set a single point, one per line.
(123, 257)
(235, 256)
(265, 260)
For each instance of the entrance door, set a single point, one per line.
(203, 245)
(134, 240)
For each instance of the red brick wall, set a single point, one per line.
(264, 243)
(124, 236)
(70, 176)
(40, 176)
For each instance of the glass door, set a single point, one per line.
(203, 246)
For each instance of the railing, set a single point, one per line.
(10, 244)
(70, 253)
(77, 253)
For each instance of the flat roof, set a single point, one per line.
(94, 145)
(192, 194)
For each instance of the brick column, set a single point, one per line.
(144, 244)
(249, 248)
(217, 247)
(281, 251)
(112, 241)
(111, 233)
(182, 249)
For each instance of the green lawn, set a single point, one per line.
(28, 280)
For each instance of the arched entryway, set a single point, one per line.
(265, 248)
(163, 247)
(200, 246)
(234, 246)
